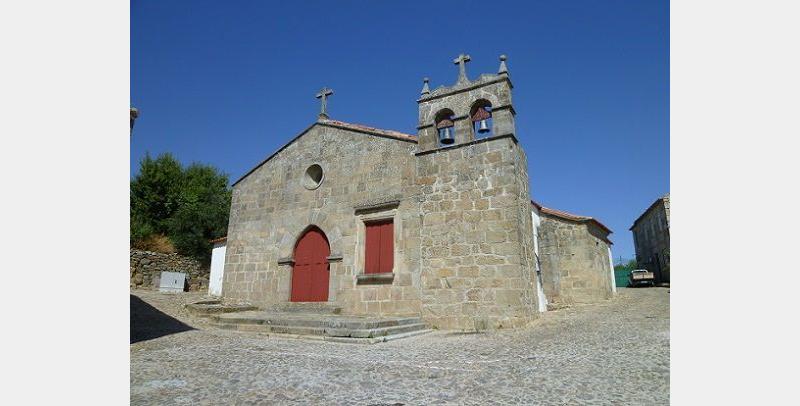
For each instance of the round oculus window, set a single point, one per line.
(313, 177)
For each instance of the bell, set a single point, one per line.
(484, 128)
(446, 135)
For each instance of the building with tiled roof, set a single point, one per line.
(651, 239)
(574, 254)
(375, 222)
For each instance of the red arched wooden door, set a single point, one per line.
(310, 273)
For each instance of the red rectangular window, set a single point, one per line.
(379, 250)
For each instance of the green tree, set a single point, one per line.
(202, 215)
(188, 205)
(155, 194)
(628, 265)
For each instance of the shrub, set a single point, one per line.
(156, 243)
(188, 205)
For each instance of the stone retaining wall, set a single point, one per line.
(146, 268)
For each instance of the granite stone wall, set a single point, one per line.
(475, 234)
(463, 238)
(574, 261)
(496, 89)
(366, 177)
(462, 227)
(651, 239)
(146, 268)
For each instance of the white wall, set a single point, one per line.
(611, 265)
(537, 222)
(217, 267)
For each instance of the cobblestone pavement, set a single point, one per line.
(616, 352)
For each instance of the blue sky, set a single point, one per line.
(227, 83)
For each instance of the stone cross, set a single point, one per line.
(323, 94)
(461, 61)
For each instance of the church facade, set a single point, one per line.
(377, 222)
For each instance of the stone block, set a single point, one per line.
(445, 273)
(369, 294)
(387, 307)
(495, 236)
(396, 294)
(493, 157)
(433, 219)
(504, 201)
(473, 217)
(431, 282)
(489, 260)
(459, 250)
(402, 279)
(508, 297)
(473, 295)
(373, 308)
(406, 307)
(384, 293)
(468, 271)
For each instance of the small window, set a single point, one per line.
(379, 247)
(313, 177)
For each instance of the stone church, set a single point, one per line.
(439, 224)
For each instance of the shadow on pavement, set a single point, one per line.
(148, 323)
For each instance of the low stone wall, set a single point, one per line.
(146, 268)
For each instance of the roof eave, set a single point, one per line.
(409, 138)
(275, 153)
(652, 205)
(570, 216)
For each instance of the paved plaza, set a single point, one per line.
(616, 352)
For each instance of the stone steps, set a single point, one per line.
(209, 308)
(350, 328)
(386, 332)
(314, 320)
(305, 307)
(376, 332)
(380, 339)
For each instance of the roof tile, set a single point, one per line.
(371, 130)
(570, 216)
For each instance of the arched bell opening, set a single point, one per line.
(445, 126)
(481, 116)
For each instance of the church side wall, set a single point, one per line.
(574, 262)
(548, 258)
(525, 228)
(474, 271)
(602, 267)
(271, 208)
